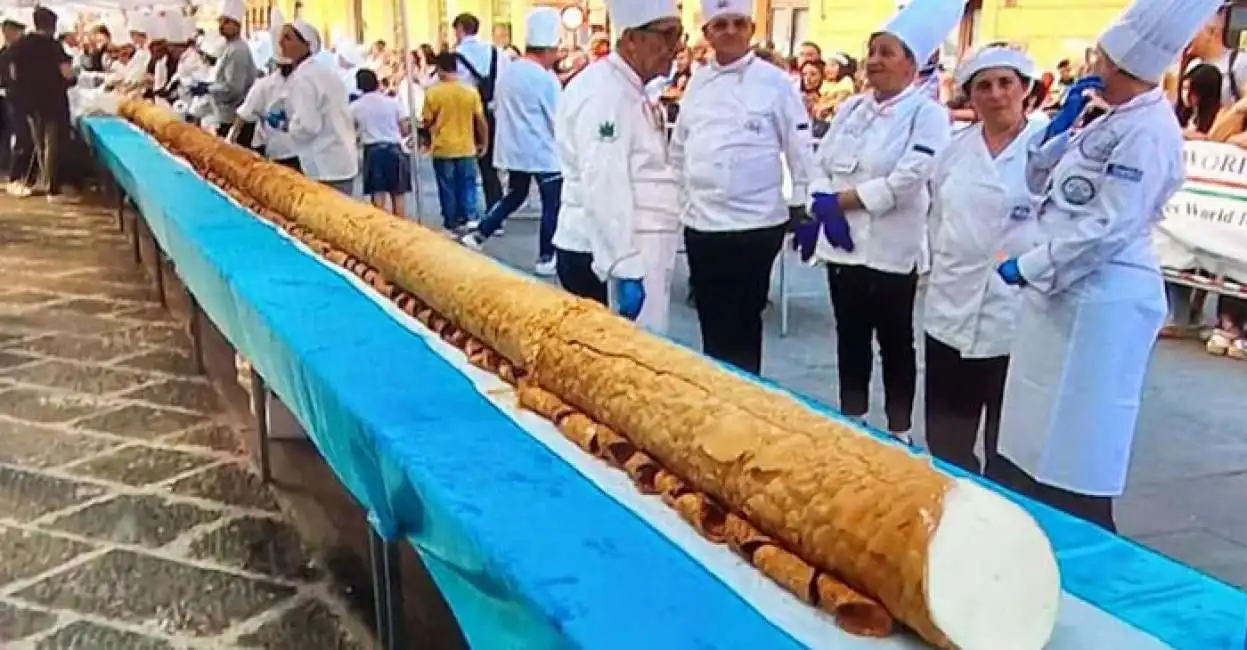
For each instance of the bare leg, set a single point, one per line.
(399, 203)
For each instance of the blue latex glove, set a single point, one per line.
(1010, 273)
(199, 89)
(276, 119)
(828, 212)
(1075, 102)
(805, 237)
(630, 295)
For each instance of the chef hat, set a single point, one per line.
(1150, 35)
(232, 9)
(350, 53)
(922, 25)
(158, 27)
(995, 56)
(307, 33)
(138, 24)
(190, 29)
(630, 14)
(213, 45)
(541, 28)
(275, 21)
(66, 21)
(712, 9)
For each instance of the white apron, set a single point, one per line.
(658, 251)
(1076, 378)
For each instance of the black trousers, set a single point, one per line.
(6, 133)
(960, 393)
(575, 271)
(874, 305)
(730, 274)
(490, 185)
(1097, 510)
(22, 163)
(245, 135)
(49, 134)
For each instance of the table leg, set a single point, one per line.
(160, 272)
(197, 350)
(121, 205)
(259, 406)
(394, 596)
(378, 565)
(134, 237)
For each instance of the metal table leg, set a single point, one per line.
(395, 631)
(160, 272)
(134, 237)
(259, 406)
(377, 557)
(121, 205)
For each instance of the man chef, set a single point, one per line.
(1093, 297)
(234, 73)
(738, 116)
(617, 236)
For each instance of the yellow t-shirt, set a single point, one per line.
(449, 111)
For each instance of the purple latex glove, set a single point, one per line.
(828, 212)
(805, 234)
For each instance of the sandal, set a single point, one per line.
(1219, 343)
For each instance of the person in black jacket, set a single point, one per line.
(41, 74)
(12, 31)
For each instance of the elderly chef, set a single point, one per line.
(315, 113)
(739, 115)
(525, 100)
(1093, 296)
(870, 200)
(981, 212)
(618, 231)
(234, 73)
(135, 70)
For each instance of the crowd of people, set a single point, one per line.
(1039, 316)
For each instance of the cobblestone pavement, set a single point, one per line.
(128, 517)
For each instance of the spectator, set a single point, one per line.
(41, 72)
(817, 104)
(1209, 47)
(9, 121)
(809, 51)
(382, 124)
(838, 85)
(479, 66)
(457, 134)
(1199, 100)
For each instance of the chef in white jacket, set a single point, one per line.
(870, 199)
(314, 112)
(981, 213)
(1093, 295)
(739, 116)
(618, 232)
(136, 68)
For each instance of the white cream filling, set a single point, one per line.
(992, 579)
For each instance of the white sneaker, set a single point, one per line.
(473, 225)
(545, 268)
(18, 190)
(473, 240)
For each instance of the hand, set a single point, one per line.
(630, 296)
(1010, 273)
(275, 119)
(827, 211)
(1075, 101)
(805, 236)
(199, 89)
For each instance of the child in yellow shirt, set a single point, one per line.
(456, 134)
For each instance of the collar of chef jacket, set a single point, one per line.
(737, 67)
(627, 71)
(888, 106)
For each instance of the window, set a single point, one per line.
(788, 27)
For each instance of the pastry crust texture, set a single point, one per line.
(839, 518)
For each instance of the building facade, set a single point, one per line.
(1050, 30)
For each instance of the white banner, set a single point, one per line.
(1205, 223)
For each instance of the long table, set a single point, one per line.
(528, 552)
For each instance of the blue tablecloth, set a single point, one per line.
(527, 553)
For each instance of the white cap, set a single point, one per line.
(158, 27)
(307, 33)
(997, 56)
(630, 14)
(541, 27)
(232, 9)
(922, 25)
(711, 9)
(139, 24)
(1150, 35)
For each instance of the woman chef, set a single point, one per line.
(1093, 296)
(981, 213)
(870, 200)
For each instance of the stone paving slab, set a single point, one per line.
(129, 519)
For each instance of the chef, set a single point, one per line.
(739, 115)
(617, 235)
(234, 73)
(135, 70)
(266, 95)
(981, 211)
(870, 199)
(1093, 297)
(525, 98)
(314, 112)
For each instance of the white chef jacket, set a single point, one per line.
(887, 152)
(135, 69)
(321, 127)
(736, 121)
(525, 100)
(1095, 298)
(982, 212)
(264, 96)
(617, 180)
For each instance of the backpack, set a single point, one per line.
(484, 83)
